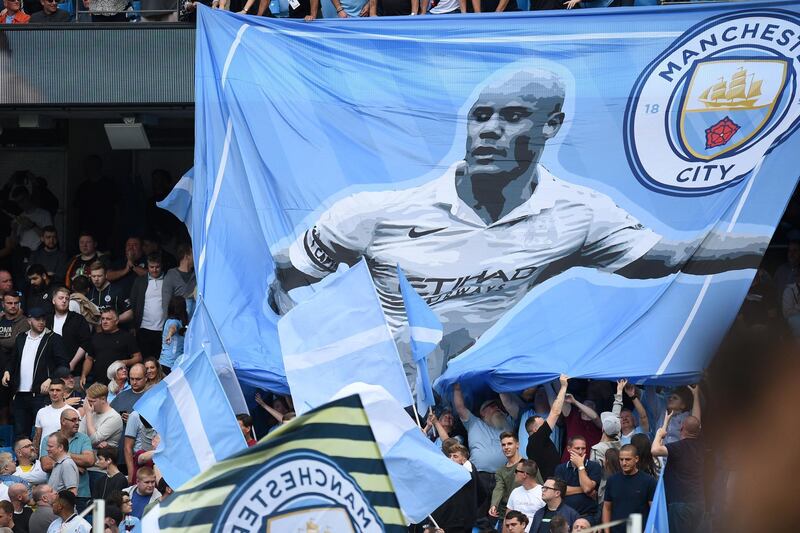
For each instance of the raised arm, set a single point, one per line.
(268, 408)
(458, 403)
(696, 408)
(658, 449)
(511, 403)
(716, 253)
(617, 407)
(585, 409)
(555, 408)
(633, 394)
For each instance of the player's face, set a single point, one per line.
(501, 137)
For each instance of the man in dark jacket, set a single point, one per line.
(553, 492)
(36, 356)
(148, 311)
(75, 332)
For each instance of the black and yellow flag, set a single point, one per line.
(321, 473)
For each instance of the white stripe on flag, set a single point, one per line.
(335, 350)
(430, 335)
(184, 399)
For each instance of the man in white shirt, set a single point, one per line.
(48, 418)
(527, 498)
(476, 240)
(148, 311)
(67, 520)
(30, 223)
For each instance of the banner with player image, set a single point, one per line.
(586, 192)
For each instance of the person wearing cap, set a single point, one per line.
(483, 436)
(36, 356)
(67, 520)
(611, 427)
(75, 332)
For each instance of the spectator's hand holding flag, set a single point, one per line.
(426, 332)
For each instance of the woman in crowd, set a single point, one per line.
(123, 501)
(153, 371)
(117, 375)
(647, 463)
(173, 334)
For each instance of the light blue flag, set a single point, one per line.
(339, 336)
(613, 231)
(422, 476)
(192, 415)
(179, 200)
(426, 332)
(202, 335)
(657, 520)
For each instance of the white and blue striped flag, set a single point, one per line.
(195, 421)
(426, 332)
(406, 453)
(179, 200)
(339, 336)
(203, 335)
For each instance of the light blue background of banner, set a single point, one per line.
(321, 110)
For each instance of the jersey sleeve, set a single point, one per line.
(340, 235)
(615, 238)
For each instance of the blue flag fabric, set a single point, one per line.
(191, 413)
(657, 520)
(426, 332)
(179, 200)
(586, 192)
(337, 337)
(202, 335)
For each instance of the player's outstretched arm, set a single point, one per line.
(716, 253)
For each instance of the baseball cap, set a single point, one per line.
(37, 312)
(487, 403)
(611, 425)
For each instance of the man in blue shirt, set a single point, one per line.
(582, 477)
(628, 492)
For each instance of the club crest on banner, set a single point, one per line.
(705, 112)
(298, 492)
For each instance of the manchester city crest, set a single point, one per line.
(703, 114)
(298, 492)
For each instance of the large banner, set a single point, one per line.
(585, 192)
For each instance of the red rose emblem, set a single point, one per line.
(720, 133)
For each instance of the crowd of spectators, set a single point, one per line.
(52, 11)
(84, 335)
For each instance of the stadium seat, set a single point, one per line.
(6, 436)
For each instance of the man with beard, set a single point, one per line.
(483, 435)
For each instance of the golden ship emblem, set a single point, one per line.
(311, 527)
(738, 93)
